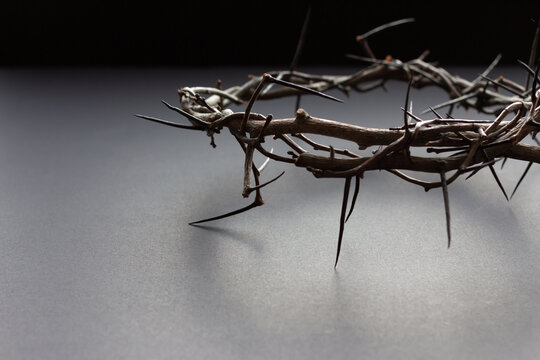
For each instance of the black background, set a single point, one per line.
(224, 33)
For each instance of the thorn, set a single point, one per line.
(498, 181)
(446, 205)
(302, 88)
(260, 138)
(473, 173)
(435, 113)
(342, 218)
(301, 40)
(410, 114)
(194, 120)
(355, 196)
(384, 27)
(168, 123)
(265, 163)
(405, 113)
(450, 102)
(297, 104)
(534, 46)
(492, 65)
(251, 189)
(509, 89)
(534, 83)
(529, 69)
(255, 203)
(521, 178)
(494, 173)
(252, 100)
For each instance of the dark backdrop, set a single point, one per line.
(224, 33)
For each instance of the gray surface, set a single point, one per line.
(97, 260)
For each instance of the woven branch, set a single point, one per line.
(469, 145)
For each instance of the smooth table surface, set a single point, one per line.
(97, 260)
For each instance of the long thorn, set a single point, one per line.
(302, 88)
(252, 100)
(450, 102)
(534, 46)
(260, 186)
(342, 218)
(509, 89)
(492, 169)
(494, 173)
(492, 65)
(521, 178)
(405, 115)
(446, 205)
(255, 203)
(478, 166)
(168, 123)
(301, 41)
(385, 26)
(529, 69)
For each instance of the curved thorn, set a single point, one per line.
(385, 26)
(534, 83)
(263, 166)
(492, 65)
(255, 203)
(252, 100)
(251, 189)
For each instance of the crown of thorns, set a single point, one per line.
(464, 146)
